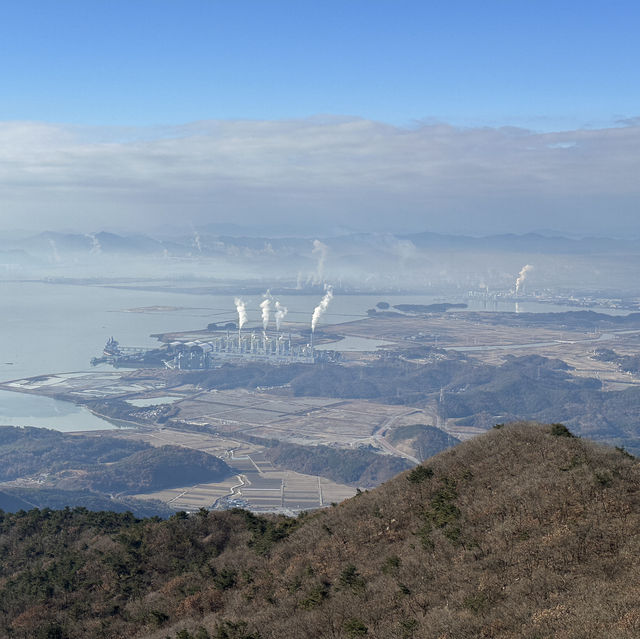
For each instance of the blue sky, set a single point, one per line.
(539, 64)
(463, 117)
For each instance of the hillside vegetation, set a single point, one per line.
(87, 471)
(155, 469)
(11, 503)
(524, 532)
(528, 387)
(359, 467)
(26, 451)
(15, 498)
(423, 440)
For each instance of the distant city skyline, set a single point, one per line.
(361, 114)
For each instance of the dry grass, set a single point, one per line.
(517, 534)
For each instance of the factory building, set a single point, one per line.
(272, 348)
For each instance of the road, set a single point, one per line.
(379, 433)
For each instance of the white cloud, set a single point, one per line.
(351, 172)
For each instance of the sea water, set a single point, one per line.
(17, 409)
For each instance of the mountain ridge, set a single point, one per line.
(525, 531)
(206, 242)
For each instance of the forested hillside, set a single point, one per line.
(58, 469)
(524, 532)
(24, 451)
(473, 393)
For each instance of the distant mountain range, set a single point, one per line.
(529, 242)
(206, 243)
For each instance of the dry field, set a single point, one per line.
(236, 414)
(258, 484)
(101, 384)
(452, 330)
(302, 420)
(464, 333)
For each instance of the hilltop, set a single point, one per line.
(45, 468)
(525, 531)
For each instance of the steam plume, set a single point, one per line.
(319, 310)
(54, 250)
(320, 250)
(196, 241)
(281, 311)
(96, 247)
(265, 307)
(242, 312)
(522, 277)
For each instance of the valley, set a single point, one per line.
(456, 373)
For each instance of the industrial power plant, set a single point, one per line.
(235, 346)
(272, 348)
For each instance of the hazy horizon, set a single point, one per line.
(312, 175)
(319, 120)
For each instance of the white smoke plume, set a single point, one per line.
(54, 250)
(281, 312)
(265, 307)
(319, 310)
(320, 250)
(96, 247)
(196, 241)
(522, 276)
(242, 312)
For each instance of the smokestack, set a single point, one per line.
(522, 276)
(265, 307)
(281, 312)
(242, 316)
(320, 310)
(242, 312)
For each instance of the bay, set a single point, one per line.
(18, 409)
(56, 327)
